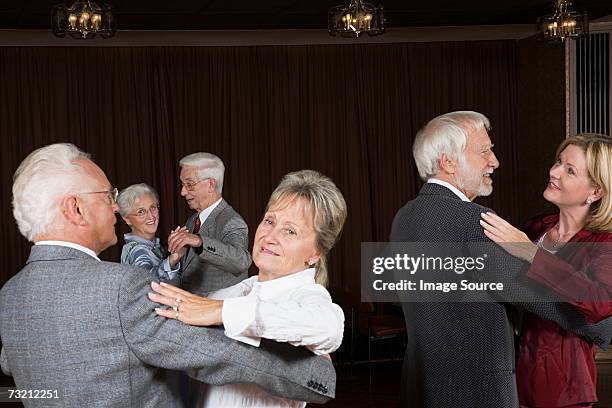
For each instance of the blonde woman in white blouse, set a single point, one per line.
(287, 301)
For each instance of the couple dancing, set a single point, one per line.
(86, 328)
(461, 355)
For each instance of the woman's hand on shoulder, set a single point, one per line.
(511, 239)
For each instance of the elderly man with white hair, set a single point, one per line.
(216, 236)
(460, 355)
(85, 331)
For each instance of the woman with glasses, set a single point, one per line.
(139, 208)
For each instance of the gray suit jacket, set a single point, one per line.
(224, 258)
(87, 329)
(460, 355)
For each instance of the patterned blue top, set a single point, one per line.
(149, 255)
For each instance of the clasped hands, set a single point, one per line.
(180, 239)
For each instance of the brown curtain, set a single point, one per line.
(349, 111)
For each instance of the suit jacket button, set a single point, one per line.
(310, 383)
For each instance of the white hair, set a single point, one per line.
(445, 134)
(127, 196)
(41, 180)
(208, 165)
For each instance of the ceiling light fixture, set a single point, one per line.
(356, 18)
(83, 20)
(564, 22)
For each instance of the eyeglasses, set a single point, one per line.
(111, 194)
(142, 212)
(190, 185)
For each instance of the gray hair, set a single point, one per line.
(127, 196)
(208, 165)
(323, 201)
(445, 134)
(42, 179)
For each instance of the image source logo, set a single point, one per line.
(471, 272)
(443, 272)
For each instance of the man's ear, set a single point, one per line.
(72, 211)
(447, 165)
(213, 185)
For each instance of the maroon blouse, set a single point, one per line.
(556, 368)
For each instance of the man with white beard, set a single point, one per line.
(461, 354)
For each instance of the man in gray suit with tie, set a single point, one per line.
(460, 355)
(216, 237)
(85, 330)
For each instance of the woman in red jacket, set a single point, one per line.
(556, 368)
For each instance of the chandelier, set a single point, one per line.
(564, 22)
(82, 20)
(356, 18)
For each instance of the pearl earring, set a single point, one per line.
(589, 201)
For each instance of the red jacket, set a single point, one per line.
(556, 368)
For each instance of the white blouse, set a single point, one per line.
(292, 309)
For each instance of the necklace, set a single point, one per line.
(557, 242)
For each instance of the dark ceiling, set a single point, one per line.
(282, 14)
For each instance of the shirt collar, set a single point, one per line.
(452, 188)
(205, 213)
(273, 288)
(70, 245)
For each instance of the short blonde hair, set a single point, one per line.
(323, 201)
(598, 151)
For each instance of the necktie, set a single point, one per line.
(198, 223)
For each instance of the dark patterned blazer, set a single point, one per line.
(461, 355)
(224, 258)
(87, 329)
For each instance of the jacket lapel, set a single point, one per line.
(211, 220)
(205, 228)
